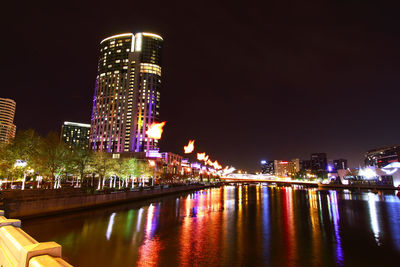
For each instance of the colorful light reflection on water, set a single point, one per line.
(233, 225)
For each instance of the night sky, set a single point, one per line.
(248, 81)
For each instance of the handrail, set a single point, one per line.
(19, 249)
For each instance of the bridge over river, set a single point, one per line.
(265, 178)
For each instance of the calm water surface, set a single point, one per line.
(233, 226)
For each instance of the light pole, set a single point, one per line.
(153, 165)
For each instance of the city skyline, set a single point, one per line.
(292, 87)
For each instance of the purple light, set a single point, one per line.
(153, 154)
(196, 165)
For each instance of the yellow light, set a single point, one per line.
(117, 36)
(150, 68)
(152, 35)
(138, 45)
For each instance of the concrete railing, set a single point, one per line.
(18, 249)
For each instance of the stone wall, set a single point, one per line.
(31, 203)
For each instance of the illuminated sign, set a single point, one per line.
(185, 163)
(153, 154)
(196, 165)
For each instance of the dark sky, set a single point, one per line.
(247, 80)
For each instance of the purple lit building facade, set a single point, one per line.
(127, 93)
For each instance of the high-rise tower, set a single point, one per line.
(127, 94)
(75, 135)
(7, 126)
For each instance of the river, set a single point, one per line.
(245, 225)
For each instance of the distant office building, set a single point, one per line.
(75, 135)
(305, 165)
(286, 168)
(267, 167)
(340, 164)
(7, 126)
(319, 161)
(381, 157)
(127, 94)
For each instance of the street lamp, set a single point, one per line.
(152, 164)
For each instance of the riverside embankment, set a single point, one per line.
(40, 202)
(357, 187)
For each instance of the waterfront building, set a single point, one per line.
(172, 163)
(267, 167)
(319, 162)
(75, 135)
(340, 164)
(127, 93)
(388, 175)
(383, 156)
(286, 168)
(7, 126)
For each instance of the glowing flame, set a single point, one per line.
(190, 147)
(204, 157)
(201, 156)
(216, 165)
(209, 162)
(155, 130)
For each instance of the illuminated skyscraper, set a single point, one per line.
(75, 135)
(7, 126)
(127, 94)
